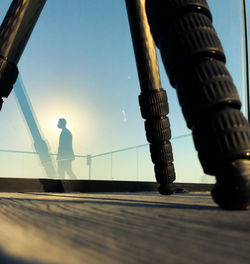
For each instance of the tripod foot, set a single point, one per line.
(232, 189)
(166, 189)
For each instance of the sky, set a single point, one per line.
(79, 64)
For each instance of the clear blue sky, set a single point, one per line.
(79, 64)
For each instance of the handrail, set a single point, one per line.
(18, 151)
(134, 147)
(92, 156)
(33, 152)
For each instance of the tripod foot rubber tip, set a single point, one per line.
(232, 197)
(166, 189)
(232, 188)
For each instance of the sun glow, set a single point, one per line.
(78, 123)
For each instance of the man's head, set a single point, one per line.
(61, 123)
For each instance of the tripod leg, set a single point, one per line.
(14, 34)
(195, 63)
(153, 99)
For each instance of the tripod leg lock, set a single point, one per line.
(153, 104)
(8, 76)
(160, 12)
(207, 85)
(154, 108)
(220, 137)
(161, 153)
(158, 130)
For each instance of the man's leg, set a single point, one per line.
(68, 169)
(60, 169)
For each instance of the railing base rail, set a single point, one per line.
(49, 185)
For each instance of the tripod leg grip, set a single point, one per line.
(154, 108)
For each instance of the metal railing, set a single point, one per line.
(127, 164)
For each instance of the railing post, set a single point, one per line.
(89, 163)
(153, 99)
(137, 164)
(111, 165)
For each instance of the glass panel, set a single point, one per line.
(124, 165)
(20, 165)
(101, 168)
(80, 168)
(187, 167)
(145, 166)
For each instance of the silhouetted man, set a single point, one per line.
(65, 153)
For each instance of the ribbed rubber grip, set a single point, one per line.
(1, 103)
(8, 76)
(164, 174)
(160, 12)
(157, 131)
(192, 37)
(161, 154)
(204, 86)
(153, 104)
(221, 136)
(154, 108)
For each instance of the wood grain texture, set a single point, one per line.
(120, 228)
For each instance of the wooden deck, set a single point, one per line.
(120, 228)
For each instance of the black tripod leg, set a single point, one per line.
(153, 99)
(195, 63)
(14, 34)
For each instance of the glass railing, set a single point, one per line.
(20, 164)
(97, 90)
(130, 164)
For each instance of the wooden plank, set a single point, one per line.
(121, 228)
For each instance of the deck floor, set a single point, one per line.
(120, 228)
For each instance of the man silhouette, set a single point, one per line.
(65, 153)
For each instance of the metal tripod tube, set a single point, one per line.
(153, 99)
(15, 31)
(17, 27)
(144, 48)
